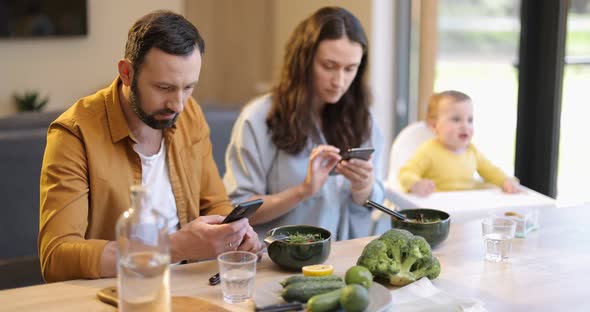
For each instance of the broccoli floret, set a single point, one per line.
(375, 258)
(413, 251)
(397, 242)
(400, 257)
(429, 267)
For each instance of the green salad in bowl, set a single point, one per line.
(294, 246)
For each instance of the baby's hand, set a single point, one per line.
(422, 188)
(511, 186)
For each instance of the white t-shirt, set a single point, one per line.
(155, 178)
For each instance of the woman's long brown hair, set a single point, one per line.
(345, 124)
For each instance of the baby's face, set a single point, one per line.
(454, 124)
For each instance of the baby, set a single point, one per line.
(449, 161)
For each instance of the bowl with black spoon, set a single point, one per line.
(432, 224)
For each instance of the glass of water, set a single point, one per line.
(497, 238)
(237, 270)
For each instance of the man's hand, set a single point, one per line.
(423, 188)
(251, 243)
(205, 238)
(108, 260)
(360, 174)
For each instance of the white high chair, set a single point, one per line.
(403, 147)
(465, 205)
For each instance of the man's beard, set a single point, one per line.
(148, 119)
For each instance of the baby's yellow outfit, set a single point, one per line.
(448, 170)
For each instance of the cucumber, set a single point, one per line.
(301, 278)
(325, 302)
(302, 291)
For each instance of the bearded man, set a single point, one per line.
(145, 128)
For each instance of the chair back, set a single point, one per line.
(403, 147)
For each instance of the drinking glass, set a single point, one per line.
(498, 234)
(237, 270)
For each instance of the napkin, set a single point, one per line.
(423, 296)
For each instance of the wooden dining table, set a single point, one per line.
(547, 271)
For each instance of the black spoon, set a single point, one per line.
(393, 213)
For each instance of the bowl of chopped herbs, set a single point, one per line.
(294, 246)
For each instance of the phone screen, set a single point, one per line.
(243, 210)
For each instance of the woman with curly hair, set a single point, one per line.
(285, 146)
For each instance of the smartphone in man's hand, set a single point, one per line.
(243, 210)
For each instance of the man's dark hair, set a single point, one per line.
(165, 30)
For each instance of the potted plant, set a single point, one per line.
(29, 101)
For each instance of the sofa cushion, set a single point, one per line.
(20, 162)
(28, 120)
(221, 123)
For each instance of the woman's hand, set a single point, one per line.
(322, 160)
(360, 174)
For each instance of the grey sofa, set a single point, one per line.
(22, 143)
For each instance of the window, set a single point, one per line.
(574, 149)
(477, 52)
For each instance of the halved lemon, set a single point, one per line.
(317, 270)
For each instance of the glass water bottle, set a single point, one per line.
(143, 276)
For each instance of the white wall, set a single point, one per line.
(68, 69)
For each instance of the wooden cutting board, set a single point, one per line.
(179, 304)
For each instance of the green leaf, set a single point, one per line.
(29, 101)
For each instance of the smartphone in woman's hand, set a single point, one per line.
(363, 153)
